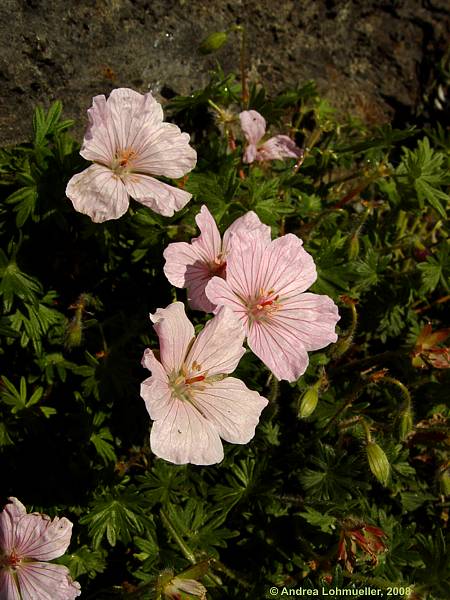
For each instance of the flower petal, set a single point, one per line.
(218, 347)
(250, 154)
(99, 193)
(190, 265)
(279, 349)
(185, 436)
(175, 333)
(164, 151)
(248, 222)
(8, 586)
(311, 318)
(100, 140)
(245, 265)
(124, 121)
(232, 408)
(162, 198)
(220, 294)
(46, 581)
(253, 125)
(155, 389)
(9, 516)
(37, 536)
(279, 147)
(286, 267)
(208, 244)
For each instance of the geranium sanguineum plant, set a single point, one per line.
(265, 287)
(192, 265)
(128, 142)
(189, 395)
(27, 542)
(277, 147)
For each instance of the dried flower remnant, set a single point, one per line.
(427, 352)
(278, 147)
(128, 142)
(192, 265)
(265, 287)
(360, 536)
(189, 395)
(27, 542)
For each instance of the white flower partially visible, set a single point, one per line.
(128, 142)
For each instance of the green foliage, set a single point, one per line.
(370, 205)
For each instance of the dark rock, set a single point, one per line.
(371, 57)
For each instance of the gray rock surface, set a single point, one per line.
(368, 56)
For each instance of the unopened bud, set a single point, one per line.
(213, 42)
(309, 401)
(444, 482)
(74, 332)
(184, 589)
(353, 251)
(378, 462)
(405, 422)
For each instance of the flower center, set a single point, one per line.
(261, 307)
(9, 560)
(184, 383)
(121, 162)
(218, 266)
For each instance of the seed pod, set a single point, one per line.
(213, 42)
(309, 401)
(378, 462)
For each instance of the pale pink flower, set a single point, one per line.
(192, 265)
(265, 288)
(26, 543)
(128, 141)
(189, 396)
(278, 147)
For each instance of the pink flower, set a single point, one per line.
(189, 396)
(265, 287)
(26, 543)
(192, 265)
(128, 141)
(278, 147)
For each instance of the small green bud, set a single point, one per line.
(213, 42)
(444, 482)
(74, 332)
(405, 423)
(353, 251)
(378, 462)
(309, 401)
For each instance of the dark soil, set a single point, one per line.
(373, 58)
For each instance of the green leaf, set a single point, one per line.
(118, 515)
(101, 440)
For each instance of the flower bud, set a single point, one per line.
(378, 462)
(184, 589)
(213, 42)
(405, 422)
(309, 401)
(444, 482)
(353, 251)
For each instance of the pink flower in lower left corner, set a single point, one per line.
(27, 542)
(189, 395)
(128, 142)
